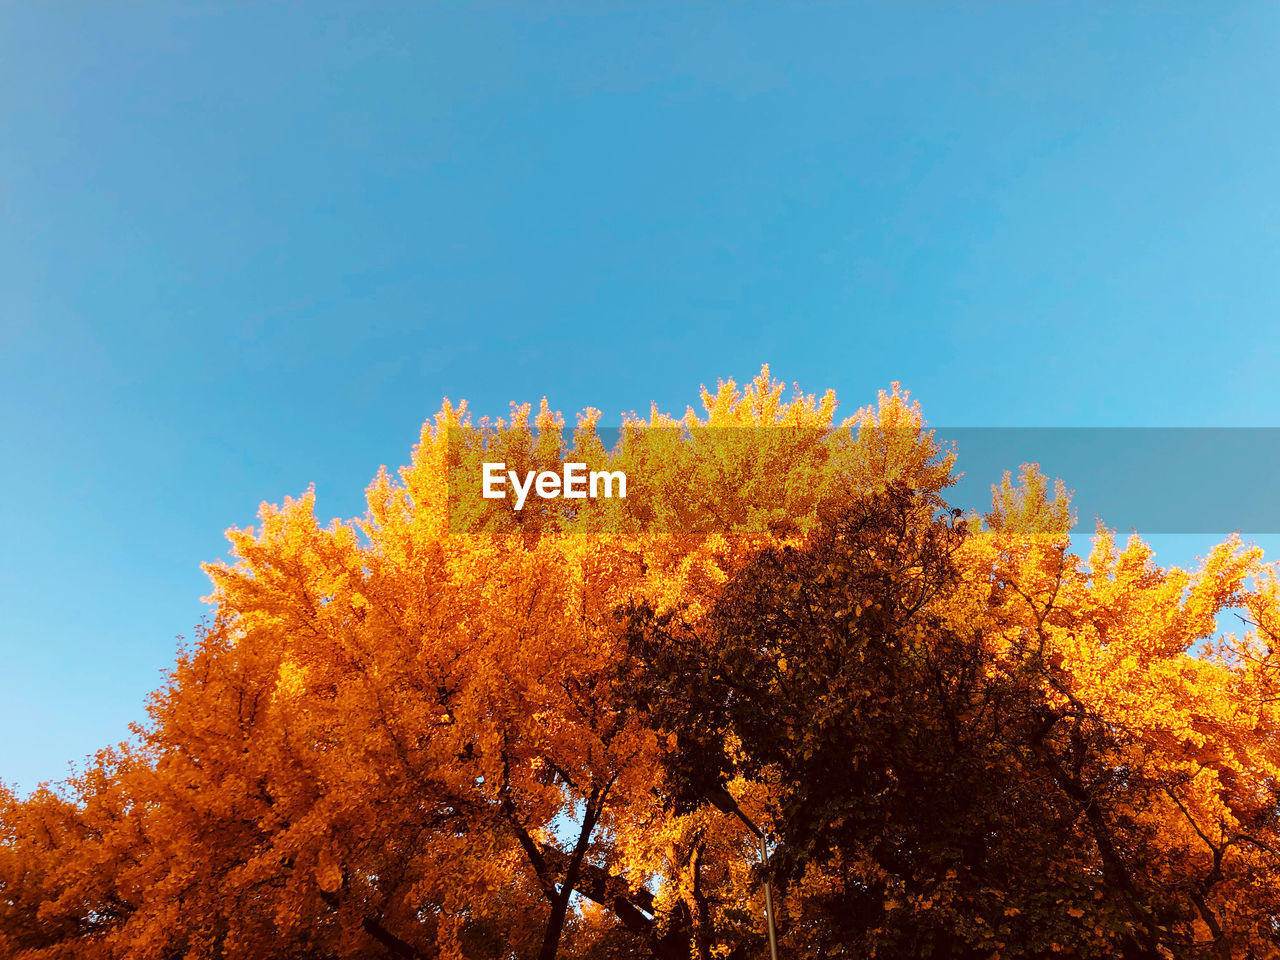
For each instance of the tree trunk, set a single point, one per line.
(560, 902)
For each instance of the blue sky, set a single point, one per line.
(247, 248)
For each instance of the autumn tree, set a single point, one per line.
(1161, 730)
(968, 742)
(893, 758)
(404, 735)
(418, 734)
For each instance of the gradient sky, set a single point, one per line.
(244, 248)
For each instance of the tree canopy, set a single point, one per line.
(447, 729)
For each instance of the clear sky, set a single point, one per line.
(244, 248)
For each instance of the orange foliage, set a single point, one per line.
(406, 735)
